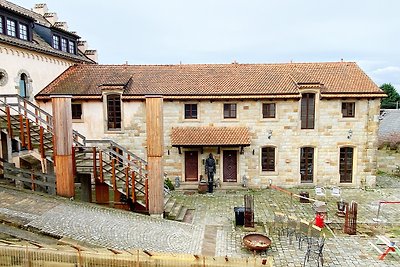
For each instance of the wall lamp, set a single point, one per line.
(349, 134)
(269, 134)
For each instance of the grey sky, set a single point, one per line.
(248, 31)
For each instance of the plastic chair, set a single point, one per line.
(336, 192)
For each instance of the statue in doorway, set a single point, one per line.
(210, 171)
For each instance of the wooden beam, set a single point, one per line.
(62, 124)
(155, 151)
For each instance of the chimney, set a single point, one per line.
(51, 17)
(82, 46)
(92, 54)
(40, 9)
(62, 25)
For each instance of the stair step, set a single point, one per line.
(181, 214)
(169, 206)
(175, 211)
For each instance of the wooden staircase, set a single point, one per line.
(31, 128)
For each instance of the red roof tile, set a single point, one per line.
(215, 80)
(210, 136)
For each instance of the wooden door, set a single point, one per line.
(191, 166)
(230, 166)
(307, 164)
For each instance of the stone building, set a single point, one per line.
(35, 48)
(286, 124)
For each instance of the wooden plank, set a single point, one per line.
(154, 126)
(133, 187)
(29, 180)
(155, 186)
(102, 192)
(64, 176)
(62, 123)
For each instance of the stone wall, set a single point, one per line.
(330, 134)
(388, 160)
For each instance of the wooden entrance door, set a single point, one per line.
(191, 166)
(230, 166)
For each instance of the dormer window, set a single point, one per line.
(71, 47)
(23, 31)
(56, 42)
(1, 25)
(64, 44)
(11, 31)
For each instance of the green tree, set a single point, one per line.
(393, 96)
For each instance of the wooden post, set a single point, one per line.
(21, 130)
(41, 137)
(94, 162)
(28, 133)
(101, 166)
(62, 115)
(155, 151)
(9, 128)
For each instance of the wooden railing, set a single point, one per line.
(35, 128)
(34, 179)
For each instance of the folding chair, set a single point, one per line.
(304, 227)
(279, 224)
(292, 228)
(314, 251)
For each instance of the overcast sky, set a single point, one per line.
(248, 31)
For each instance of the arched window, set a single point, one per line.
(23, 85)
(114, 112)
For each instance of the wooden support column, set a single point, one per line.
(63, 142)
(155, 151)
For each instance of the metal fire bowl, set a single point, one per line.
(256, 241)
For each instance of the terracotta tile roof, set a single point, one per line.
(215, 80)
(210, 136)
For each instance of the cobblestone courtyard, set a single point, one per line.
(212, 227)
